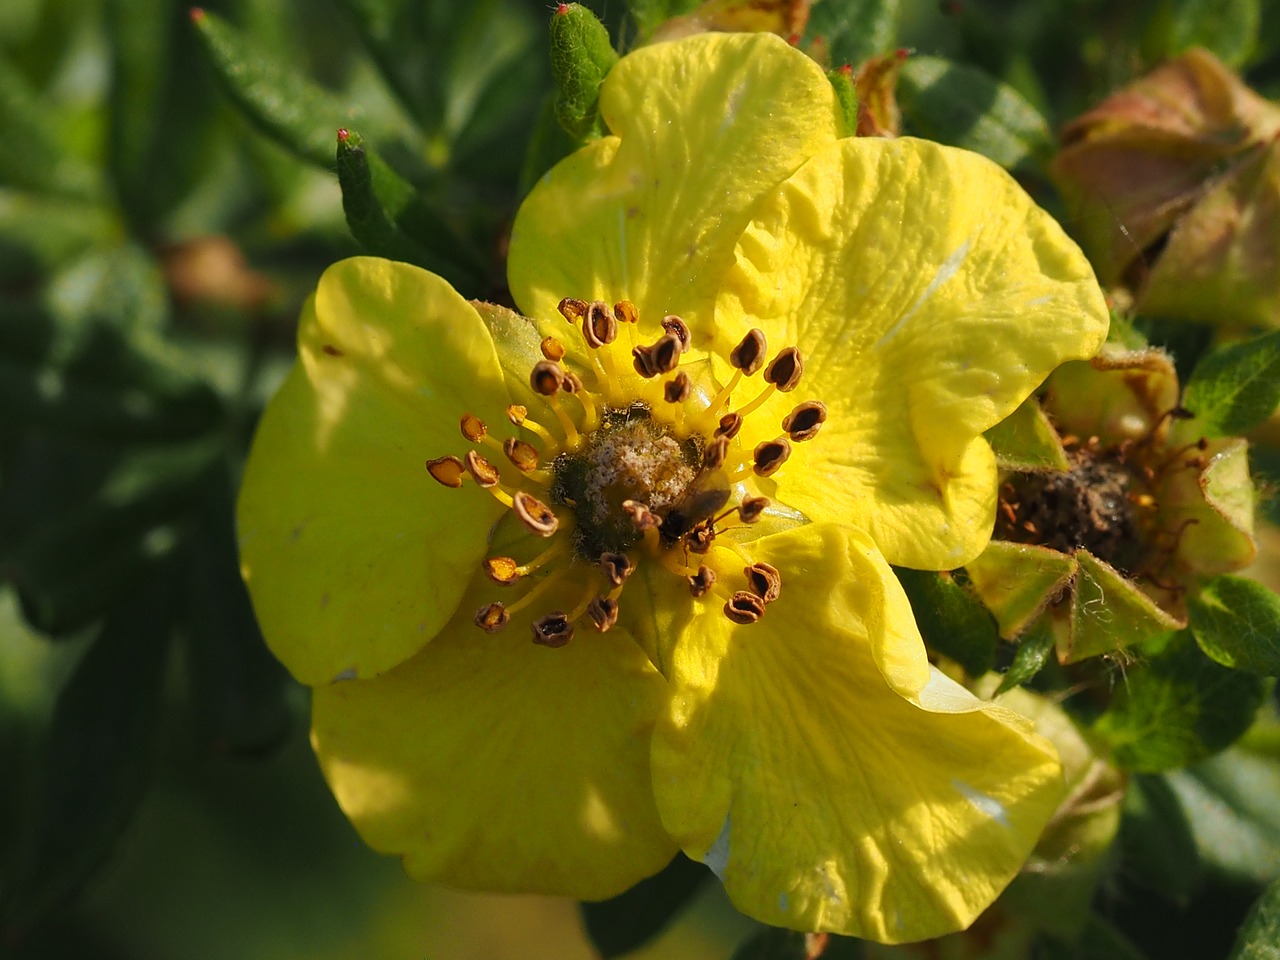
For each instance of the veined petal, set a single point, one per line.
(354, 556)
(702, 127)
(929, 296)
(488, 762)
(824, 799)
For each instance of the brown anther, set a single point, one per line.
(473, 428)
(701, 582)
(523, 455)
(492, 617)
(482, 471)
(642, 360)
(641, 515)
(626, 312)
(546, 378)
(764, 581)
(617, 567)
(517, 414)
(553, 630)
(770, 455)
(552, 349)
(572, 383)
(446, 470)
(701, 537)
(503, 570)
(715, 453)
(572, 309)
(600, 327)
(679, 329)
(748, 356)
(804, 421)
(534, 514)
(744, 607)
(785, 370)
(677, 389)
(665, 355)
(751, 509)
(730, 424)
(603, 612)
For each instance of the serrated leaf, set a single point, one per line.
(1177, 708)
(99, 755)
(1229, 28)
(854, 31)
(952, 621)
(1259, 937)
(1236, 621)
(1156, 839)
(1032, 654)
(285, 105)
(630, 920)
(966, 107)
(1236, 388)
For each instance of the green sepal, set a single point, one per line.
(1259, 937)
(846, 97)
(284, 104)
(1236, 621)
(630, 920)
(1109, 612)
(852, 32)
(1026, 440)
(1155, 837)
(1234, 389)
(1030, 656)
(581, 57)
(1016, 581)
(966, 107)
(377, 201)
(952, 621)
(1178, 707)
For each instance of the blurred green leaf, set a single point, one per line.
(1260, 935)
(548, 145)
(100, 753)
(1229, 28)
(1156, 839)
(1177, 708)
(773, 944)
(966, 107)
(1102, 941)
(1234, 389)
(31, 156)
(581, 56)
(1236, 621)
(854, 29)
(630, 920)
(1030, 656)
(952, 621)
(649, 15)
(39, 232)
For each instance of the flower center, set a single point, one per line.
(643, 466)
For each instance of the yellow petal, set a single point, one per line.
(354, 556)
(929, 296)
(701, 128)
(488, 762)
(822, 798)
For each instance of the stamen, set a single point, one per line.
(626, 311)
(764, 581)
(722, 397)
(502, 570)
(519, 417)
(591, 415)
(524, 456)
(552, 349)
(447, 470)
(751, 509)
(744, 607)
(713, 457)
(666, 353)
(537, 517)
(571, 437)
(553, 630)
(771, 455)
(748, 355)
(599, 326)
(572, 309)
(617, 567)
(473, 428)
(641, 515)
(642, 361)
(702, 581)
(729, 426)
(701, 537)
(603, 612)
(482, 471)
(677, 389)
(492, 617)
(755, 404)
(679, 329)
(546, 378)
(804, 421)
(785, 370)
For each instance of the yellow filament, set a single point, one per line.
(538, 589)
(501, 495)
(722, 397)
(551, 445)
(591, 418)
(489, 440)
(571, 438)
(577, 612)
(545, 557)
(755, 404)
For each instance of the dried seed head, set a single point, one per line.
(603, 612)
(446, 470)
(553, 630)
(492, 617)
(804, 421)
(748, 356)
(702, 581)
(771, 455)
(537, 517)
(744, 607)
(764, 581)
(785, 370)
(482, 471)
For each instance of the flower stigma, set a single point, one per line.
(635, 465)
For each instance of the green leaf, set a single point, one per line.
(286, 106)
(581, 57)
(99, 755)
(967, 107)
(31, 157)
(649, 15)
(854, 29)
(1177, 708)
(1230, 802)
(1030, 656)
(952, 621)
(548, 145)
(1229, 28)
(1156, 839)
(1259, 937)
(1236, 388)
(1236, 621)
(41, 232)
(630, 920)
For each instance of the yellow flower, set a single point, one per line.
(808, 337)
